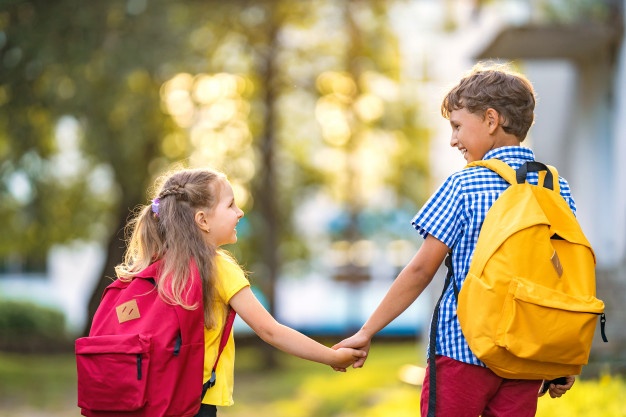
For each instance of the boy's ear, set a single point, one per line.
(492, 117)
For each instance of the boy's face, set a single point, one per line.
(471, 134)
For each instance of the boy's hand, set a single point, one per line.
(358, 341)
(557, 390)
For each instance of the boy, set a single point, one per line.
(490, 112)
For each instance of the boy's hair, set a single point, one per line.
(168, 231)
(496, 86)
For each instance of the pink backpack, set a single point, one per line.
(143, 357)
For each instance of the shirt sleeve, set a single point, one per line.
(566, 193)
(441, 216)
(231, 276)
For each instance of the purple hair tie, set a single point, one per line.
(155, 206)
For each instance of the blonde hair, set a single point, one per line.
(173, 237)
(497, 86)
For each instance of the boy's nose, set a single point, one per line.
(453, 141)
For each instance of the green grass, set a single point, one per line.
(29, 383)
(37, 386)
(303, 389)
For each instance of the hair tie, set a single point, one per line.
(155, 206)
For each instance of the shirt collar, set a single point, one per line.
(511, 152)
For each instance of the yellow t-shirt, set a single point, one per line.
(230, 280)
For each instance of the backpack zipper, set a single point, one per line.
(139, 367)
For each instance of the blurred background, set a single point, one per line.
(325, 115)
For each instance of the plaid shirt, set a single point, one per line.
(454, 214)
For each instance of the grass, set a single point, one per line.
(303, 389)
(45, 386)
(37, 385)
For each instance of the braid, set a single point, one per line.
(176, 190)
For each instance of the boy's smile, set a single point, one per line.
(471, 134)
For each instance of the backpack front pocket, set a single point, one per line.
(112, 372)
(546, 325)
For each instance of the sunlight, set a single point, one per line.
(340, 83)
(220, 112)
(333, 121)
(215, 114)
(369, 107)
(174, 145)
(177, 100)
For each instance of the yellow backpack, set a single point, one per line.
(528, 307)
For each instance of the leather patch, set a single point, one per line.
(127, 311)
(556, 263)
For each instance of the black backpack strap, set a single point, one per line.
(432, 343)
(534, 166)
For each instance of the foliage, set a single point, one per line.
(26, 327)
(87, 121)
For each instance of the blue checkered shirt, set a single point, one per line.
(454, 214)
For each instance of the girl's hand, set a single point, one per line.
(358, 341)
(344, 357)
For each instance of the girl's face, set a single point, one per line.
(471, 134)
(222, 220)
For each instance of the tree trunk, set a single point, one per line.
(114, 253)
(266, 193)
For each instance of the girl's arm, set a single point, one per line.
(403, 292)
(285, 338)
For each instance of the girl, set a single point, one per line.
(193, 214)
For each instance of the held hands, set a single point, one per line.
(557, 390)
(346, 357)
(358, 341)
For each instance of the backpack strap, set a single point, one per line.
(549, 179)
(432, 340)
(225, 335)
(499, 167)
(548, 175)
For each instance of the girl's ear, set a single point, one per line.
(203, 220)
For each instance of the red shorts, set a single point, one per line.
(465, 390)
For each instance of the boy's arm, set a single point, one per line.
(403, 292)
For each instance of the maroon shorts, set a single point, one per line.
(465, 390)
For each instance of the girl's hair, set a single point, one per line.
(167, 230)
(498, 87)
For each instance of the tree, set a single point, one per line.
(95, 71)
(122, 82)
